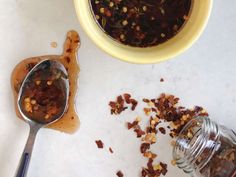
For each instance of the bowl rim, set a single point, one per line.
(150, 60)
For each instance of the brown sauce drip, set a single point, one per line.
(69, 123)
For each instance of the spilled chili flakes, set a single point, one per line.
(121, 104)
(165, 108)
(154, 170)
(117, 106)
(137, 129)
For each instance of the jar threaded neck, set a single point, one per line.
(196, 144)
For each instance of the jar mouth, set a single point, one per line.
(195, 144)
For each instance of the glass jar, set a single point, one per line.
(206, 149)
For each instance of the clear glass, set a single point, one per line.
(206, 149)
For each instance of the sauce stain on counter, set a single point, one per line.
(69, 123)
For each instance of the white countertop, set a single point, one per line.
(205, 75)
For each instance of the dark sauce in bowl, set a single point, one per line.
(141, 23)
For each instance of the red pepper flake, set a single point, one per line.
(149, 155)
(107, 12)
(151, 130)
(134, 104)
(127, 97)
(133, 124)
(120, 99)
(144, 147)
(147, 111)
(137, 129)
(154, 110)
(139, 132)
(162, 130)
(119, 174)
(99, 144)
(111, 151)
(144, 172)
(146, 100)
(164, 168)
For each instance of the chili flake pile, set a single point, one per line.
(121, 103)
(165, 108)
(141, 23)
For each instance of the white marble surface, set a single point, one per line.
(205, 75)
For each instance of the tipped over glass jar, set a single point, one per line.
(206, 149)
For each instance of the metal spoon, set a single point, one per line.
(51, 68)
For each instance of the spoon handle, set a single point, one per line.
(26, 155)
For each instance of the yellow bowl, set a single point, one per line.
(183, 40)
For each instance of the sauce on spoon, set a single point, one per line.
(43, 97)
(69, 123)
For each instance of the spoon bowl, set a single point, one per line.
(42, 100)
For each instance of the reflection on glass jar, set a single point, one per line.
(206, 149)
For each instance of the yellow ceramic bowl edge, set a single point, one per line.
(175, 46)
